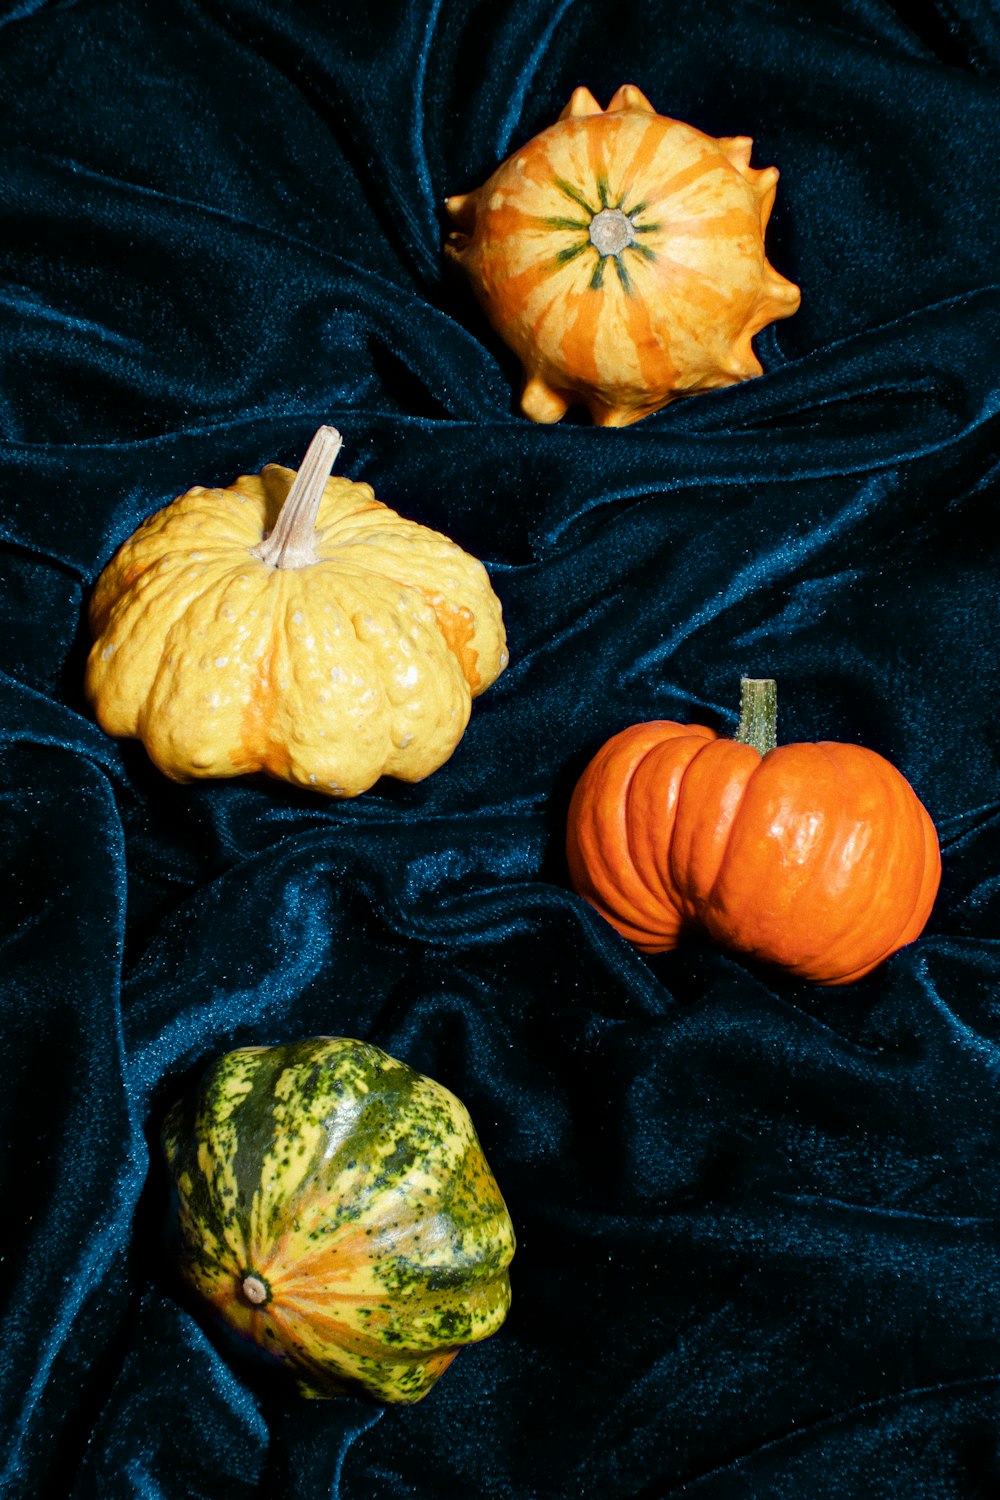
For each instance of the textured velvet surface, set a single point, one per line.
(758, 1250)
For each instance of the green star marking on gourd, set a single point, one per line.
(610, 230)
(335, 1208)
(570, 252)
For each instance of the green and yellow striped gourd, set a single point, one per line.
(336, 1212)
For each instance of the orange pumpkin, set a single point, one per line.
(817, 857)
(621, 255)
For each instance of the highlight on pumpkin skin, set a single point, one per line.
(292, 624)
(817, 858)
(620, 254)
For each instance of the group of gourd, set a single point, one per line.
(333, 1208)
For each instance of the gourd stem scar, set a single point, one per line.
(611, 231)
(758, 713)
(256, 1290)
(292, 543)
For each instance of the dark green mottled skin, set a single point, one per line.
(354, 1192)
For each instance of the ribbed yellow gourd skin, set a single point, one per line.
(362, 664)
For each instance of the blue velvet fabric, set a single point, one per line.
(757, 1221)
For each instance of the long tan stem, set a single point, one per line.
(292, 543)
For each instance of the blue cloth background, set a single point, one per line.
(758, 1251)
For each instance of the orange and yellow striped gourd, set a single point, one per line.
(621, 256)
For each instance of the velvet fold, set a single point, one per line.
(757, 1249)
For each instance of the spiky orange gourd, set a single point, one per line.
(621, 256)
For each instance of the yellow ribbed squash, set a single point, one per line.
(293, 625)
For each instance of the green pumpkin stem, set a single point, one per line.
(758, 713)
(292, 543)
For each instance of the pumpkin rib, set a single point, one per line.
(370, 1228)
(376, 1375)
(909, 851)
(629, 908)
(404, 680)
(303, 1326)
(341, 1254)
(895, 860)
(596, 147)
(577, 347)
(133, 628)
(145, 629)
(930, 881)
(598, 838)
(530, 316)
(355, 1353)
(653, 911)
(626, 897)
(716, 778)
(912, 853)
(834, 955)
(796, 933)
(675, 754)
(772, 868)
(652, 347)
(737, 221)
(854, 915)
(296, 1294)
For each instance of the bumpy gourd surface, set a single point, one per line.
(817, 857)
(355, 1193)
(361, 664)
(621, 254)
